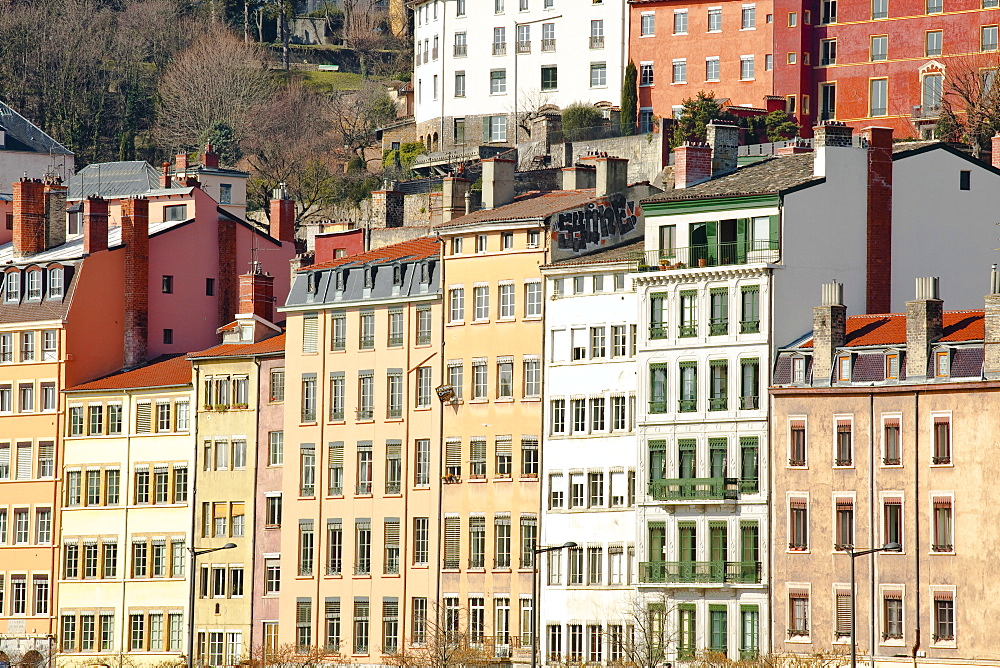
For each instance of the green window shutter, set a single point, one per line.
(775, 226)
(749, 541)
(687, 534)
(657, 460)
(657, 540)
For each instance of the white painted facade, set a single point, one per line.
(584, 459)
(484, 39)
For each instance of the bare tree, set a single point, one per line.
(970, 101)
(219, 79)
(647, 642)
(832, 658)
(447, 641)
(291, 655)
(365, 29)
(357, 114)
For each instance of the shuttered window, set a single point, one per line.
(143, 417)
(391, 541)
(310, 330)
(505, 454)
(23, 461)
(843, 613)
(4, 461)
(477, 458)
(453, 457)
(452, 541)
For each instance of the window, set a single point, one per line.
(934, 6)
(748, 18)
(646, 74)
(647, 25)
(532, 378)
(56, 275)
(944, 617)
(495, 128)
(746, 68)
(942, 440)
(12, 293)
(880, 9)
(167, 285)
(798, 520)
(932, 43)
(715, 19)
(844, 454)
(456, 302)
(599, 75)
(422, 473)
(932, 91)
(558, 413)
(689, 386)
(878, 97)
(828, 52)
(798, 613)
(680, 22)
(943, 532)
(679, 71)
(27, 347)
(988, 38)
(421, 540)
(845, 524)
(498, 81)
(657, 388)
(533, 298)
(711, 69)
(891, 448)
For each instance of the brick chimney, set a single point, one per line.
(995, 155)
(991, 342)
(612, 176)
(692, 164)
(579, 177)
(829, 135)
(498, 182)
(165, 175)
(181, 162)
(724, 140)
(879, 288)
(29, 217)
(454, 189)
(95, 225)
(210, 158)
(257, 294)
(924, 326)
(282, 215)
(55, 214)
(829, 332)
(135, 237)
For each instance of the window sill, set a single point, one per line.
(531, 399)
(479, 401)
(504, 400)
(530, 318)
(454, 323)
(471, 479)
(799, 640)
(484, 321)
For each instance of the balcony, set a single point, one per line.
(718, 404)
(687, 331)
(597, 41)
(423, 338)
(699, 572)
(658, 331)
(694, 489)
(461, 50)
(687, 405)
(928, 111)
(749, 486)
(718, 327)
(709, 255)
(657, 406)
(524, 47)
(749, 326)
(396, 339)
(499, 48)
(749, 403)
(548, 45)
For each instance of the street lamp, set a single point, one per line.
(534, 596)
(195, 553)
(854, 554)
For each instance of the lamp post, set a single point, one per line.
(195, 553)
(854, 554)
(534, 596)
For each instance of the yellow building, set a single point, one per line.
(360, 490)
(126, 517)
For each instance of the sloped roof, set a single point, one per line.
(164, 371)
(529, 206)
(275, 344)
(629, 251)
(114, 179)
(73, 248)
(414, 249)
(764, 177)
(890, 329)
(23, 135)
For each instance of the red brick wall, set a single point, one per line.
(95, 225)
(29, 217)
(692, 164)
(228, 290)
(879, 287)
(257, 295)
(135, 236)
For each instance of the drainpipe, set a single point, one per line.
(192, 574)
(124, 492)
(871, 523)
(442, 288)
(253, 504)
(916, 520)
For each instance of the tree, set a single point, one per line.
(365, 27)
(821, 659)
(580, 116)
(696, 114)
(780, 125)
(356, 115)
(650, 643)
(447, 642)
(218, 79)
(970, 102)
(630, 99)
(291, 655)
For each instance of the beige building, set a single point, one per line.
(360, 488)
(127, 474)
(882, 433)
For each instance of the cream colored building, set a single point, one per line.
(127, 476)
(361, 481)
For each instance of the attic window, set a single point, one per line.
(798, 369)
(369, 277)
(892, 366)
(941, 364)
(397, 274)
(12, 291)
(425, 272)
(844, 368)
(311, 283)
(56, 283)
(341, 279)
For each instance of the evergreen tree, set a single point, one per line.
(630, 99)
(696, 114)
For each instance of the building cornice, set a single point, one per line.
(902, 388)
(326, 306)
(671, 276)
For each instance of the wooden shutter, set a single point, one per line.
(843, 613)
(453, 456)
(310, 332)
(143, 417)
(23, 461)
(452, 540)
(391, 533)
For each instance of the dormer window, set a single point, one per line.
(397, 274)
(56, 283)
(341, 279)
(798, 369)
(369, 277)
(12, 291)
(425, 272)
(844, 368)
(892, 366)
(941, 364)
(311, 283)
(35, 284)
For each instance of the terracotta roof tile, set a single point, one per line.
(529, 206)
(414, 249)
(275, 344)
(164, 371)
(890, 329)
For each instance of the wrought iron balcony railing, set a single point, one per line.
(699, 572)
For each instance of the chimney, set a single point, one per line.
(454, 190)
(612, 176)
(165, 175)
(829, 332)
(829, 135)
(55, 214)
(257, 294)
(29, 217)
(498, 182)
(794, 147)
(282, 215)
(135, 237)
(210, 158)
(387, 206)
(995, 155)
(181, 162)
(724, 139)
(879, 288)
(579, 177)
(923, 326)
(991, 322)
(692, 164)
(95, 225)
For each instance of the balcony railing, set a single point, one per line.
(365, 413)
(549, 44)
(307, 490)
(925, 111)
(339, 343)
(657, 406)
(524, 47)
(363, 489)
(687, 405)
(392, 567)
(749, 326)
(423, 338)
(392, 487)
(368, 341)
(597, 41)
(394, 413)
(693, 489)
(499, 48)
(717, 404)
(709, 255)
(687, 331)
(718, 327)
(363, 569)
(333, 570)
(336, 490)
(396, 339)
(461, 50)
(337, 414)
(749, 486)
(749, 403)
(699, 572)
(658, 331)
(749, 653)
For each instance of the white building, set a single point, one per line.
(479, 64)
(27, 151)
(589, 458)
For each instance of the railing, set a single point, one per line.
(597, 41)
(749, 485)
(393, 487)
(549, 44)
(798, 547)
(717, 404)
(499, 48)
(687, 405)
(392, 567)
(658, 331)
(937, 459)
(365, 413)
(478, 561)
(657, 406)
(749, 653)
(749, 403)
(305, 570)
(749, 326)
(307, 490)
(891, 461)
(694, 572)
(363, 489)
(840, 461)
(687, 331)
(708, 255)
(524, 47)
(339, 343)
(396, 339)
(450, 564)
(693, 489)
(336, 490)
(333, 570)
(797, 633)
(362, 569)
(942, 547)
(394, 413)
(367, 341)
(337, 414)
(308, 414)
(423, 338)
(925, 111)
(718, 327)
(461, 50)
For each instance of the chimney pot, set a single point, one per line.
(257, 294)
(829, 332)
(924, 326)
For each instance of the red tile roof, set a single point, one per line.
(414, 249)
(532, 205)
(164, 371)
(890, 329)
(275, 344)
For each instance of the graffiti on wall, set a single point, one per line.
(601, 223)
